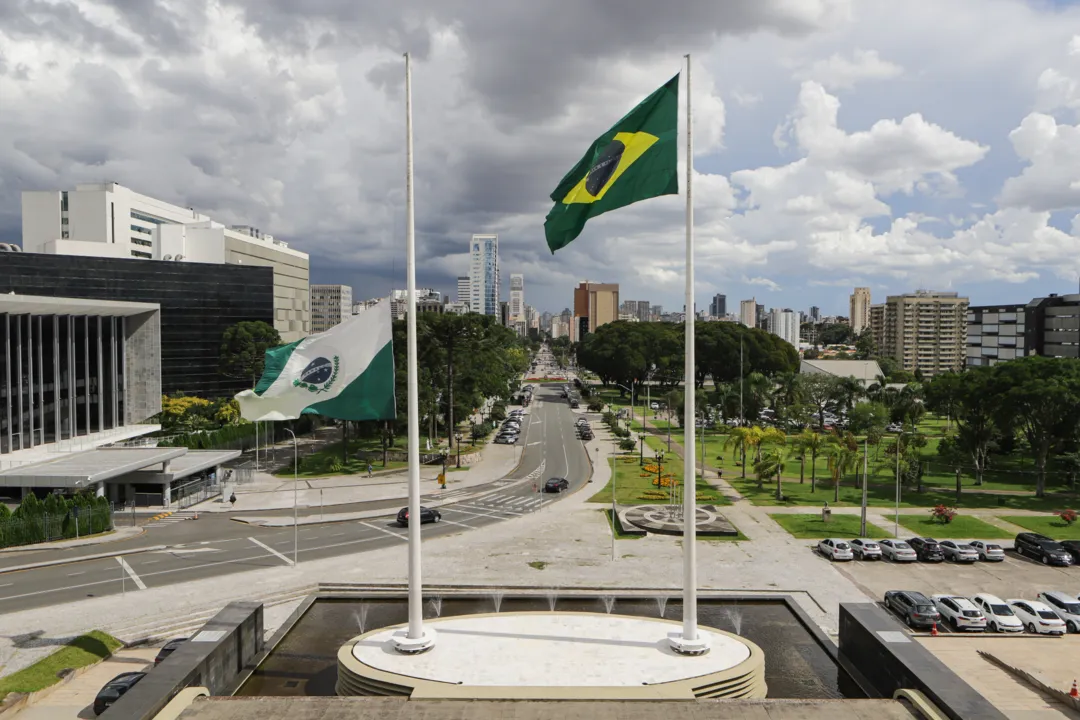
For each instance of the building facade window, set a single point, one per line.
(138, 254)
(147, 218)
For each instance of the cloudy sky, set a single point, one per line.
(899, 145)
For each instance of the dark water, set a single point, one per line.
(305, 661)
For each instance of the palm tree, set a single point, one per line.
(738, 439)
(787, 391)
(771, 464)
(758, 388)
(813, 443)
(726, 395)
(841, 461)
(848, 390)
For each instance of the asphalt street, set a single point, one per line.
(213, 545)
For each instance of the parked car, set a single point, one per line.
(959, 552)
(927, 549)
(168, 648)
(1065, 606)
(556, 485)
(1073, 548)
(581, 421)
(991, 552)
(1039, 547)
(894, 428)
(655, 406)
(115, 689)
(960, 612)
(835, 549)
(427, 515)
(1037, 617)
(914, 608)
(866, 549)
(999, 616)
(506, 439)
(897, 551)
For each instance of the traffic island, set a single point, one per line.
(668, 520)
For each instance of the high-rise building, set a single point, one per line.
(484, 274)
(760, 316)
(427, 300)
(718, 306)
(784, 324)
(112, 221)
(860, 309)
(464, 294)
(815, 314)
(545, 321)
(595, 304)
(748, 312)
(655, 312)
(504, 313)
(644, 311)
(1048, 326)
(329, 305)
(518, 319)
(924, 331)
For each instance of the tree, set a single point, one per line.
(819, 390)
(870, 419)
(843, 457)
(771, 465)
(739, 439)
(848, 391)
(835, 334)
(813, 443)
(970, 398)
(243, 349)
(1039, 396)
(865, 348)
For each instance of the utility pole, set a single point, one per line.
(865, 482)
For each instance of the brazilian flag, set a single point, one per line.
(634, 160)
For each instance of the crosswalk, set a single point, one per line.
(511, 502)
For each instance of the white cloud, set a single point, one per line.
(838, 72)
(745, 99)
(763, 282)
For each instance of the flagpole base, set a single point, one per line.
(697, 646)
(414, 646)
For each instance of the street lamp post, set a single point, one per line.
(458, 438)
(641, 440)
(660, 471)
(295, 482)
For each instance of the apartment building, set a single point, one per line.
(518, 319)
(595, 304)
(748, 312)
(1048, 326)
(859, 303)
(924, 331)
(484, 275)
(329, 306)
(784, 324)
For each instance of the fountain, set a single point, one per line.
(661, 604)
(496, 597)
(609, 603)
(552, 598)
(734, 616)
(361, 617)
(436, 605)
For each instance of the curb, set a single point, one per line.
(53, 545)
(82, 558)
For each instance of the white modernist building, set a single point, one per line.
(484, 274)
(110, 220)
(330, 305)
(785, 324)
(518, 318)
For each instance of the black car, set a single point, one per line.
(427, 515)
(114, 689)
(556, 485)
(914, 608)
(1073, 548)
(168, 648)
(1039, 547)
(927, 549)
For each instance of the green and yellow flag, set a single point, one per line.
(634, 160)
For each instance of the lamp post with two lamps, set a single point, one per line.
(458, 438)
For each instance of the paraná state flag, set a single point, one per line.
(635, 160)
(346, 373)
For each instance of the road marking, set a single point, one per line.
(283, 542)
(399, 536)
(150, 562)
(337, 534)
(266, 547)
(7, 585)
(451, 522)
(486, 512)
(131, 573)
(538, 442)
(83, 572)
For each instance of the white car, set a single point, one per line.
(958, 551)
(960, 611)
(897, 551)
(1037, 617)
(991, 552)
(1065, 606)
(999, 616)
(835, 549)
(866, 549)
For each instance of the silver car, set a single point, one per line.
(898, 551)
(866, 549)
(990, 552)
(958, 551)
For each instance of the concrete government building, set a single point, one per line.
(112, 221)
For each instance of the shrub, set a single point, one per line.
(627, 444)
(595, 406)
(943, 514)
(1069, 516)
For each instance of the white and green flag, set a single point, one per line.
(346, 373)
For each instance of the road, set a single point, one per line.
(216, 546)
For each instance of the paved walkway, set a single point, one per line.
(75, 698)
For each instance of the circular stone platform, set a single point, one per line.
(659, 519)
(553, 656)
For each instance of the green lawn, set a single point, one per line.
(811, 526)
(619, 534)
(961, 527)
(80, 652)
(330, 461)
(1050, 526)
(634, 485)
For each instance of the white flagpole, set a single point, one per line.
(416, 639)
(689, 642)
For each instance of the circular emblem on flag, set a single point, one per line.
(319, 375)
(604, 167)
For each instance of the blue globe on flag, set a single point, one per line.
(318, 371)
